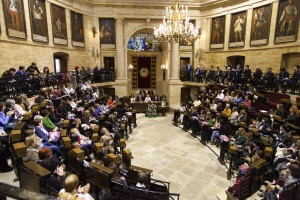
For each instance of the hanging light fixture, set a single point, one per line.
(176, 25)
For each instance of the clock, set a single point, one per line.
(144, 72)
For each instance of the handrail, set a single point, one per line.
(21, 193)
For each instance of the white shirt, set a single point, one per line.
(19, 111)
(197, 103)
(220, 96)
(147, 99)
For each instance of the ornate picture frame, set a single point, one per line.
(260, 25)
(107, 33)
(287, 21)
(237, 31)
(38, 20)
(59, 25)
(217, 33)
(77, 28)
(15, 18)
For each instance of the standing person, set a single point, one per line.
(9, 73)
(238, 28)
(247, 73)
(21, 71)
(32, 68)
(197, 73)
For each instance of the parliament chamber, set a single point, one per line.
(150, 100)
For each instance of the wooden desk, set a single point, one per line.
(41, 171)
(143, 106)
(163, 110)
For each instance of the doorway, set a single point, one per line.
(60, 62)
(184, 61)
(236, 60)
(289, 60)
(109, 63)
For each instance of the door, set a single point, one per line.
(60, 62)
(184, 61)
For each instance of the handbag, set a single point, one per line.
(55, 135)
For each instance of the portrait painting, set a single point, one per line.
(287, 21)
(77, 29)
(260, 25)
(15, 18)
(59, 26)
(217, 32)
(107, 33)
(185, 44)
(237, 29)
(38, 19)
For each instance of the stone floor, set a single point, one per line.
(174, 156)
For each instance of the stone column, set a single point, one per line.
(120, 49)
(174, 64)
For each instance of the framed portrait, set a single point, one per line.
(187, 45)
(217, 32)
(107, 33)
(237, 30)
(59, 26)
(260, 25)
(77, 29)
(287, 21)
(38, 20)
(15, 18)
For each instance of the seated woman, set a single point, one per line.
(64, 109)
(155, 98)
(19, 107)
(148, 98)
(88, 119)
(240, 137)
(71, 190)
(49, 125)
(83, 142)
(247, 102)
(132, 98)
(116, 176)
(31, 149)
(4, 118)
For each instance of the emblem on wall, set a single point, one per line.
(144, 72)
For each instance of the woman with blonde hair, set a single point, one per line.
(240, 137)
(31, 149)
(71, 190)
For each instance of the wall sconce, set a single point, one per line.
(163, 67)
(199, 32)
(130, 67)
(94, 31)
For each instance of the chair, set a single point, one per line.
(291, 192)
(32, 176)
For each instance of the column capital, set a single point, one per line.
(119, 19)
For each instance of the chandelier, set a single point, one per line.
(176, 25)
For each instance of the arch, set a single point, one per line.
(143, 40)
(136, 30)
(60, 62)
(289, 60)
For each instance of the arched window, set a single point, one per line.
(143, 42)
